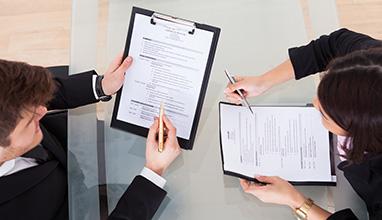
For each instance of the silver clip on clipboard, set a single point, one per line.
(159, 18)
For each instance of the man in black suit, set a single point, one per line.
(33, 163)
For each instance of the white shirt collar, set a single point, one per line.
(7, 166)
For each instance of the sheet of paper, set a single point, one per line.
(289, 142)
(169, 66)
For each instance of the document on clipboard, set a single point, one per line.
(172, 63)
(285, 141)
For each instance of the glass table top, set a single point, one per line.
(255, 36)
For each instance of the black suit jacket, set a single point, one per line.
(365, 178)
(40, 192)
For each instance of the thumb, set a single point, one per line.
(151, 136)
(244, 184)
(265, 179)
(125, 64)
(115, 63)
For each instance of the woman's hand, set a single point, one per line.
(249, 85)
(276, 191)
(256, 85)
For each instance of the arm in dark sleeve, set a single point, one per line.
(140, 201)
(73, 91)
(345, 214)
(315, 56)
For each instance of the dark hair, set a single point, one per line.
(21, 86)
(351, 94)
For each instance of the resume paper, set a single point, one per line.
(289, 142)
(168, 67)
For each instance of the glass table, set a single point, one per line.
(255, 37)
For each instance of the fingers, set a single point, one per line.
(171, 129)
(116, 63)
(257, 187)
(153, 130)
(266, 179)
(233, 97)
(171, 134)
(235, 86)
(125, 65)
(251, 187)
(244, 184)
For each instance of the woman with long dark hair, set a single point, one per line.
(349, 98)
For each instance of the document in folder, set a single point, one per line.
(172, 64)
(284, 141)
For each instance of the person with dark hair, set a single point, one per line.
(349, 98)
(33, 162)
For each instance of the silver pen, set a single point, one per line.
(244, 100)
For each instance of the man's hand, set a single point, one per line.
(115, 75)
(156, 161)
(276, 191)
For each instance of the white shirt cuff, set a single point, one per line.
(153, 177)
(94, 85)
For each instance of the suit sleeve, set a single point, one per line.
(73, 91)
(345, 214)
(315, 56)
(140, 201)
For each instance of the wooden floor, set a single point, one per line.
(38, 31)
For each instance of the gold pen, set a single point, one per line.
(161, 129)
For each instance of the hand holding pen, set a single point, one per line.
(238, 91)
(159, 161)
(250, 86)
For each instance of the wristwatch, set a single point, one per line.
(100, 93)
(302, 212)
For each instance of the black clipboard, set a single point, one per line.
(305, 183)
(142, 131)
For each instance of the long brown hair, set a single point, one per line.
(351, 94)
